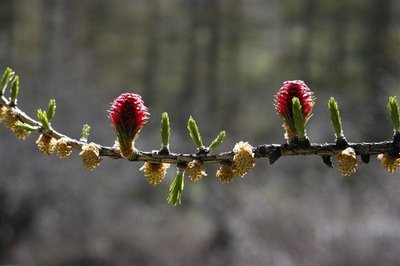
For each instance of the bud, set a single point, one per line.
(347, 162)
(243, 160)
(195, 170)
(225, 173)
(9, 118)
(283, 103)
(390, 163)
(63, 149)
(128, 115)
(46, 144)
(90, 155)
(154, 172)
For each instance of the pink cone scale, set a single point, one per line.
(283, 102)
(290, 89)
(128, 115)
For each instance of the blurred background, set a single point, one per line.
(220, 61)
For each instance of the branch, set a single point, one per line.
(261, 151)
(128, 115)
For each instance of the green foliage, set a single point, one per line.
(42, 116)
(85, 132)
(165, 130)
(217, 141)
(14, 89)
(194, 132)
(26, 126)
(393, 108)
(335, 117)
(298, 118)
(8, 75)
(51, 109)
(176, 189)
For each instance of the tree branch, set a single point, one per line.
(261, 151)
(128, 115)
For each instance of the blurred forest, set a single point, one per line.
(220, 61)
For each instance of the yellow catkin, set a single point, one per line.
(9, 118)
(195, 170)
(390, 163)
(90, 156)
(3, 112)
(243, 160)
(154, 173)
(62, 148)
(225, 173)
(46, 144)
(347, 162)
(22, 134)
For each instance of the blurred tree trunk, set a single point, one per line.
(15, 223)
(60, 58)
(203, 38)
(152, 53)
(377, 64)
(7, 16)
(189, 77)
(221, 245)
(229, 96)
(48, 9)
(338, 55)
(55, 50)
(305, 56)
(213, 24)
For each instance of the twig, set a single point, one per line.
(261, 151)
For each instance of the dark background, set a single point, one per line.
(220, 61)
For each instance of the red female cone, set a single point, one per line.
(128, 115)
(284, 100)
